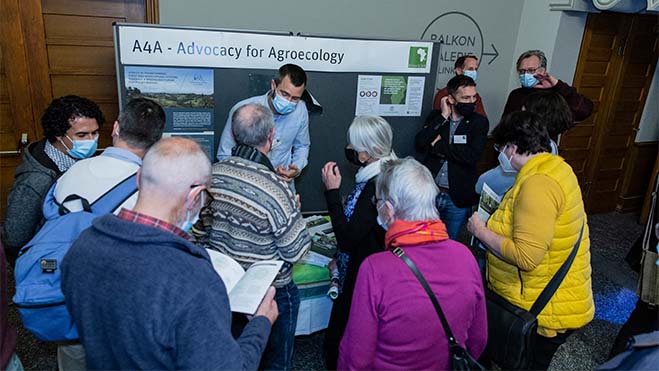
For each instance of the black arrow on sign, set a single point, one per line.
(495, 54)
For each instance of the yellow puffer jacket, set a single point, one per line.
(572, 305)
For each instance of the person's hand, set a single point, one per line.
(332, 265)
(437, 139)
(268, 307)
(331, 176)
(475, 224)
(545, 81)
(288, 174)
(445, 107)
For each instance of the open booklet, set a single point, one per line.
(487, 205)
(246, 289)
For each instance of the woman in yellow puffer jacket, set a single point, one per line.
(533, 232)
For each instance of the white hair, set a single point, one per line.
(172, 165)
(410, 188)
(371, 134)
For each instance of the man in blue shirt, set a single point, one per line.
(290, 148)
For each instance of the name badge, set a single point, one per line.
(460, 139)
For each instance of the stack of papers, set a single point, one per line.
(323, 247)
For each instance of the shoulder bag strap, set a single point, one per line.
(447, 329)
(107, 202)
(555, 281)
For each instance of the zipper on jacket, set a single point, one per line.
(521, 283)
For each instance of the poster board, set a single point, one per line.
(198, 74)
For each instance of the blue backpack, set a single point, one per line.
(39, 297)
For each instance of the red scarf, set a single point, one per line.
(404, 233)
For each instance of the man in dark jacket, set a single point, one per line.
(450, 144)
(142, 295)
(533, 75)
(70, 125)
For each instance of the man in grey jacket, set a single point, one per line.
(70, 125)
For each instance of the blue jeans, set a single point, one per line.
(14, 363)
(278, 354)
(452, 216)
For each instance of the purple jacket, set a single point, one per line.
(393, 324)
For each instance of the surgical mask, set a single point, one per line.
(353, 157)
(283, 106)
(527, 80)
(471, 73)
(382, 224)
(506, 165)
(465, 109)
(81, 148)
(188, 223)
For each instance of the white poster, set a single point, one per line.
(389, 95)
(158, 46)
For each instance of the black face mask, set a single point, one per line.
(353, 157)
(465, 109)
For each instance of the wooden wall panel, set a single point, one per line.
(55, 48)
(638, 176)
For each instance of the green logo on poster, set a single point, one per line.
(418, 57)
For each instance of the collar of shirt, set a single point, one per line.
(62, 160)
(150, 221)
(122, 154)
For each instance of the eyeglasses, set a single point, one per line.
(528, 70)
(499, 147)
(375, 201)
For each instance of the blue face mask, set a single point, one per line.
(505, 163)
(527, 80)
(382, 224)
(283, 106)
(471, 73)
(187, 224)
(82, 148)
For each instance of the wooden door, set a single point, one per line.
(52, 48)
(616, 63)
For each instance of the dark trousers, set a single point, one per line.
(335, 329)
(643, 319)
(278, 354)
(545, 348)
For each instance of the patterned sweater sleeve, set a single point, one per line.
(292, 239)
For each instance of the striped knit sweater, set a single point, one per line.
(253, 217)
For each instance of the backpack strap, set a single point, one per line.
(115, 196)
(63, 210)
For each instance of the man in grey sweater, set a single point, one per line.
(70, 125)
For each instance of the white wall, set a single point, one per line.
(513, 26)
(649, 125)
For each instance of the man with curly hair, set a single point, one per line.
(70, 125)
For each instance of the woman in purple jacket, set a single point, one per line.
(392, 323)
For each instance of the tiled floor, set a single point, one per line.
(614, 285)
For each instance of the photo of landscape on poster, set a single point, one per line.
(389, 95)
(186, 94)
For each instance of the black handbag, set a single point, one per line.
(511, 329)
(459, 356)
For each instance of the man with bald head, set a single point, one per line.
(255, 216)
(141, 295)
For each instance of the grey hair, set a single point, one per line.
(530, 53)
(410, 188)
(172, 165)
(251, 124)
(371, 134)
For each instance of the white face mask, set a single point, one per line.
(505, 162)
(382, 224)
